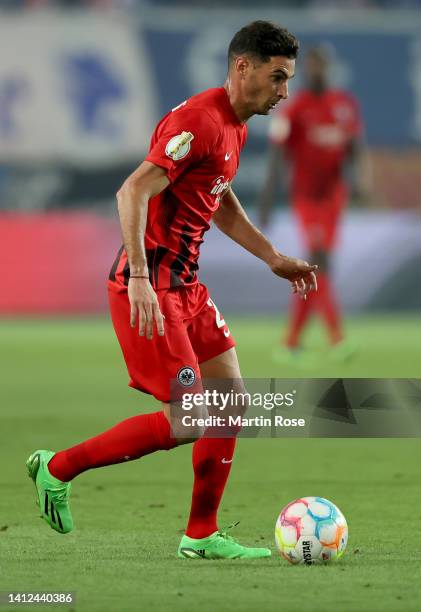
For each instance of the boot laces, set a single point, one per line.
(225, 536)
(59, 494)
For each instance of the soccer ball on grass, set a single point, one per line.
(311, 530)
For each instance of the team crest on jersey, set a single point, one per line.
(186, 376)
(179, 145)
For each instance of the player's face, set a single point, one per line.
(266, 83)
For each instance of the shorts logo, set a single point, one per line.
(186, 376)
(179, 145)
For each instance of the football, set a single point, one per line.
(311, 530)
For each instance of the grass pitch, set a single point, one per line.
(63, 381)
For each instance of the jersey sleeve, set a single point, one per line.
(183, 138)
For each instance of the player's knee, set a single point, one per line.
(188, 422)
(182, 441)
(183, 437)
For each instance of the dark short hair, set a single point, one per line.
(263, 40)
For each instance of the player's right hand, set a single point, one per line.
(144, 306)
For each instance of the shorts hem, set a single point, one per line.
(133, 385)
(214, 353)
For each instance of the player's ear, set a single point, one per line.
(242, 64)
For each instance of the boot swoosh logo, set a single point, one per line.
(226, 460)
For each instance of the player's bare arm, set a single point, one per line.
(232, 219)
(133, 197)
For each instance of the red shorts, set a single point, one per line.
(319, 219)
(194, 332)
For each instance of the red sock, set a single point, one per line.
(301, 310)
(212, 459)
(329, 308)
(130, 439)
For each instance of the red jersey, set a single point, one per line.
(198, 143)
(316, 131)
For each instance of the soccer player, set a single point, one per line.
(166, 323)
(316, 136)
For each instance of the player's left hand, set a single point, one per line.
(299, 272)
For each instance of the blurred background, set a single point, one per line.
(82, 85)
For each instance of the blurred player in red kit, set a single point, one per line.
(167, 325)
(316, 138)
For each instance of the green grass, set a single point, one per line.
(63, 381)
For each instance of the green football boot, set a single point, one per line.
(219, 545)
(52, 494)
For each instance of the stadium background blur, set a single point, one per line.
(79, 98)
(82, 85)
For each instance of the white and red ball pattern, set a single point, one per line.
(311, 530)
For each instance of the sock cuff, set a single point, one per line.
(162, 431)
